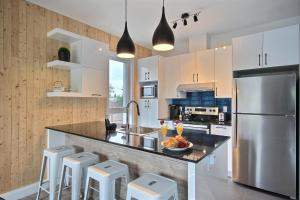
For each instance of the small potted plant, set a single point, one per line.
(64, 54)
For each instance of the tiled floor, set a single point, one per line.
(232, 192)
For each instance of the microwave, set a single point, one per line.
(148, 91)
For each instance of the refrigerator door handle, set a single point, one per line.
(235, 134)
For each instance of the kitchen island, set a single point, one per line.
(143, 153)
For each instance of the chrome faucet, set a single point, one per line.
(127, 112)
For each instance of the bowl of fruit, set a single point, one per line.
(177, 143)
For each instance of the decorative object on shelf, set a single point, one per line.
(163, 37)
(64, 54)
(58, 87)
(125, 46)
(185, 16)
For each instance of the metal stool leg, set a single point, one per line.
(62, 177)
(44, 161)
(105, 190)
(53, 177)
(76, 183)
(86, 189)
(128, 195)
(176, 193)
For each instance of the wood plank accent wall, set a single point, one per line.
(24, 79)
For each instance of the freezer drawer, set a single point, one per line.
(266, 94)
(264, 153)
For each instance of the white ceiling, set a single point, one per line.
(218, 16)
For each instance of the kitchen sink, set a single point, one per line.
(137, 130)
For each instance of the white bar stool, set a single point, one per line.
(78, 163)
(106, 174)
(152, 187)
(54, 156)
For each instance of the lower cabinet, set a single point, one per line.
(215, 164)
(148, 113)
(225, 131)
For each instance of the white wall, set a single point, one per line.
(226, 38)
(180, 48)
(216, 40)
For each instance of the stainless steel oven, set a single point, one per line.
(148, 91)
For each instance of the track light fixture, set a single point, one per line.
(174, 25)
(184, 18)
(195, 17)
(184, 22)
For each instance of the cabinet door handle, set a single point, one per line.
(266, 59)
(197, 77)
(258, 59)
(193, 77)
(216, 91)
(220, 127)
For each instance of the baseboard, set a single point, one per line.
(21, 192)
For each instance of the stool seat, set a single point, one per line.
(60, 150)
(78, 163)
(108, 168)
(106, 174)
(83, 159)
(151, 186)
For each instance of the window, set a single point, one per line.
(119, 90)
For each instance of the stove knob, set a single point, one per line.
(214, 110)
(210, 110)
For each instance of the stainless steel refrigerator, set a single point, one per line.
(264, 138)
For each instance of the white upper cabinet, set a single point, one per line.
(88, 66)
(94, 54)
(197, 67)
(90, 82)
(148, 69)
(278, 47)
(171, 77)
(223, 72)
(188, 68)
(281, 47)
(204, 66)
(247, 52)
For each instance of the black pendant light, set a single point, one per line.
(163, 37)
(125, 46)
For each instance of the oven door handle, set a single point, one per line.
(197, 128)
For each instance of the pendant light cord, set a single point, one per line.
(125, 10)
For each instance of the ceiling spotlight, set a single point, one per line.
(184, 18)
(184, 22)
(195, 17)
(174, 25)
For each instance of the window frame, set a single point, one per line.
(127, 83)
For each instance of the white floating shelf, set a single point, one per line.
(71, 94)
(63, 35)
(58, 64)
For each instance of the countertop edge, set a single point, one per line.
(141, 149)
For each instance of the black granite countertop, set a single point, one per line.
(204, 144)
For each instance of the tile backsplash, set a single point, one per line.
(205, 99)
